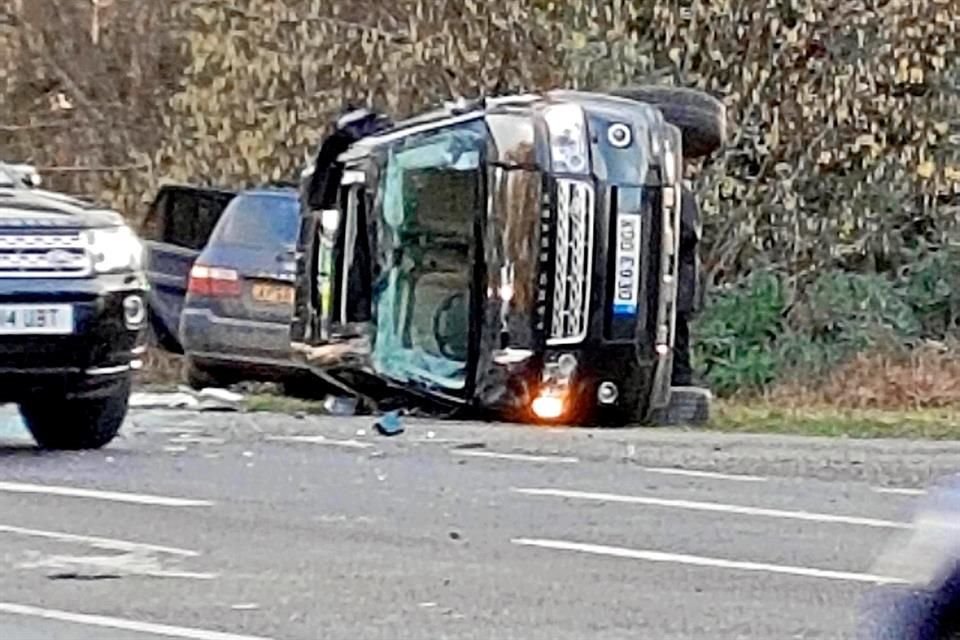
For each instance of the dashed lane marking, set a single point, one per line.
(701, 561)
(714, 507)
(94, 494)
(124, 624)
(111, 544)
(518, 457)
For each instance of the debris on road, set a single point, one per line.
(340, 405)
(389, 424)
(178, 400)
(209, 399)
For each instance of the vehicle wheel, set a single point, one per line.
(200, 377)
(77, 423)
(701, 118)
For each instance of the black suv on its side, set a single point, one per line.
(71, 312)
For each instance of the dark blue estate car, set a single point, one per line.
(221, 265)
(236, 315)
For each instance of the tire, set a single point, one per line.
(700, 117)
(77, 423)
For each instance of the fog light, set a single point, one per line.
(134, 312)
(547, 407)
(567, 364)
(607, 393)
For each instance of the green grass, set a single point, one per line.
(740, 417)
(282, 404)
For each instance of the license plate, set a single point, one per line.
(626, 280)
(36, 319)
(273, 293)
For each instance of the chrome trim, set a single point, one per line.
(44, 255)
(667, 298)
(106, 371)
(212, 317)
(573, 261)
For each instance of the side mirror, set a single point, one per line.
(27, 174)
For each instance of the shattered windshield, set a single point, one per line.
(432, 192)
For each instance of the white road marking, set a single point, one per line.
(112, 496)
(520, 457)
(121, 623)
(98, 542)
(350, 444)
(899, 491)
(702, 561)
(704, 474)
(716, 507)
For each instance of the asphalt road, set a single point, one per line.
(228, 526)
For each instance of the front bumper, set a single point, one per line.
(101, 351)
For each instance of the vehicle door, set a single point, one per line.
(176, 229)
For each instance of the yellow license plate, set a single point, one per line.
(275, 293)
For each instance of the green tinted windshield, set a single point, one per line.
(432, 191)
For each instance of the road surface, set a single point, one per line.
(231, 526)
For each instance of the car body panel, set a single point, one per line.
(177, 226)
(540, 263)
(96, 354)
(252, 328)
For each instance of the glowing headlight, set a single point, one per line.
(568, 138)
(115, 249)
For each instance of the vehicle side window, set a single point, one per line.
(184, 218)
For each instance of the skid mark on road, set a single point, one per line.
(517, 457)
(712, 475)
(93, 494)
(110, 544)
(121, 623)
(126, 564)
(718, 507)
(701, 561)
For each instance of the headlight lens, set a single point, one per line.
(115, 249)
(567, 129)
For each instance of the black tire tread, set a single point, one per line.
(77, 423)
(701, 117)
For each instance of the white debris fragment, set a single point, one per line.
(224, 395)
(179, 400)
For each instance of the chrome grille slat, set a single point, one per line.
(573, 262)
(43, 255)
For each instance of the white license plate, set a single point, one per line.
(35, 319)
(626, 281)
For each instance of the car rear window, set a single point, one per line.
(260, 219)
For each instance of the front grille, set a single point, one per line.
(572, 262)
(43, 255)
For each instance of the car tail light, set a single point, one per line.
(215, 282)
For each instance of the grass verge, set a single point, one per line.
(275, 403)
(764, 417)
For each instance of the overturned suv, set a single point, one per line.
(71, 312)
(515, 256)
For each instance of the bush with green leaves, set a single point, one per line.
(755, 334)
